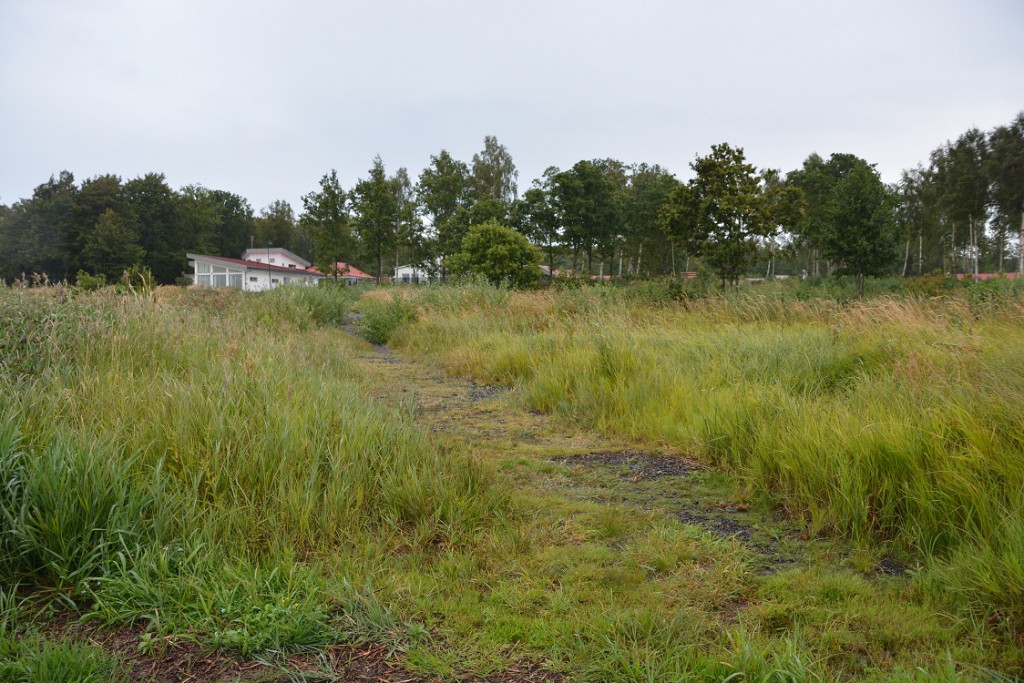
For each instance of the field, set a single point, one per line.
(600, 484)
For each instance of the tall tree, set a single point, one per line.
(44, 228)
(861, 233)
(153, 215)
(1006, 172)
(111, 247)
(235, 221)
(409, 239)
(589, 205)
(443, 190)
(494, 175)
(377, 214)
(95, 196)
(276, 225)
(540, 220)
(721, 213)
(325, 217)
(965, 188)
(199, 222)
(648, 192)
(784, 207)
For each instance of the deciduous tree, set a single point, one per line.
(722, 212)
(376, 214)
(325, 217)
(111, 247)
(498, 253)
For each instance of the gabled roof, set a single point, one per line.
(253, 265)
(345, 270)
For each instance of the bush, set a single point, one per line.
(498, 253)
(89, 283)
(382, 318)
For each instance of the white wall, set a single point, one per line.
(409, 275)
(274, 256)
(212, 274)
(261, 280)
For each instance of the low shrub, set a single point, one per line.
(381, 317)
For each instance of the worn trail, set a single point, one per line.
(490, 423)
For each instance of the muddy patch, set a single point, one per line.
(177, 660)
(636, 466)
(484, 392)
(648, 475)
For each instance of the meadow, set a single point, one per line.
(895, 421)
(223, 469)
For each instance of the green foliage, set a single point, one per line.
(112, 247)
(720, 214)
(380, 318)
(499, 254)
(138, 279)
(494, 174)
(325, 216)
(589, 208)
(89, 283)
(378, 214)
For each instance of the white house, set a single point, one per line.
(257, 270)
(414, 275)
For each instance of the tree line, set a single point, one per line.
(963, 212)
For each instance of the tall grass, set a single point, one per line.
(894, 419)
(156, 450)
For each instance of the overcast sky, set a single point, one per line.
(261, 98)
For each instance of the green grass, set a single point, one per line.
(223, 468)
(180, 459)
(893, 421)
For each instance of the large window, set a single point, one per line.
(217, 276)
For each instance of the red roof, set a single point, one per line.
(345, 270)
(256, 265)
(982, 277)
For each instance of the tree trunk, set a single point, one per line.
(672, 246)
(920, 253)
(952, 244)
(1020, 247)
(975, 252)
(640, 254)
(906, 257)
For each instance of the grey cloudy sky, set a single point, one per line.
(261, 98)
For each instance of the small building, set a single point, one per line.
(256, 271)
(414, 275)
(350, 274)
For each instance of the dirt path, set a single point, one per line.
(490, 423)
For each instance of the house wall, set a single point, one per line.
(261, 280)
(213, 274)
(218, 275)
(408, 275)
(275, 257)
